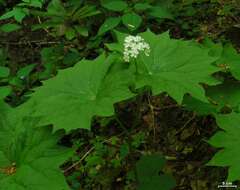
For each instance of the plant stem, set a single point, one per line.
(136, 66)
(131, 150)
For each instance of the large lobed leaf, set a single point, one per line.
(75, 95)
(230, 142)
(173, 66)
(148, 168)
(29, 156)
(225, 95)
(227, 57)
(201, 108)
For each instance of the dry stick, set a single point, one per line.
(79, 161)
(84, 156)
(153, 118)
(30, 42)
(40, 22)
(186, 124)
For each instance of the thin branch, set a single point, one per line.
(79, 161)
(84, 156)
(30, 42)
(186, 124)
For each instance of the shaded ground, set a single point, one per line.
(180, 135)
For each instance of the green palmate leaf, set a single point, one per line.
(216, 49)
(75, 95)
(173, 66)
(201, 108)
(148, 168)
(230, 142)
(131, 20)
(109, 24)
(228, 57)
(29, 156)
(231, 60)
(114, 5)
(225, 95)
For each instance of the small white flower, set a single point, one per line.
(133, 45)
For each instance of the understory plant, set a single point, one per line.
(78, 92)
(30, 155)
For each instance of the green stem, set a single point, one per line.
(136, 66)
(131, 150)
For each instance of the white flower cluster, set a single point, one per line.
(133, 45)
